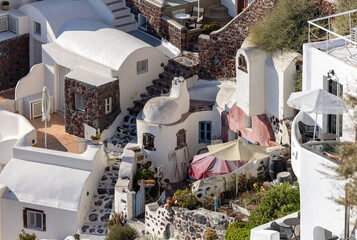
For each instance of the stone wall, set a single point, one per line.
(162, 26)
(218, 50)
(14, 60)
(182, 223)
(94, 112)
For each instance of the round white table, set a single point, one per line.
(182, 17)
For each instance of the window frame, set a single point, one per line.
(37, 28)
(26, 219)
(242, 63)
(108, 105)
(142, 21)
(138, 66)
(248, 122)
(149, 141)
(207, 129)
(181, 139)
(78, 96)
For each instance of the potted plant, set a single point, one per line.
(5, 5)
(170, 202)
(95, 139)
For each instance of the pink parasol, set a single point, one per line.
(204, 166)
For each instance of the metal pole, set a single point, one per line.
(46, 134)
(237, 179)
(198, 12)
(315, 127)
(347, 215)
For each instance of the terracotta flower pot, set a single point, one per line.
(95, 142)
(170, 203)
(5, 7)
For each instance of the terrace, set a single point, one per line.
(57, 138)
(326, 35)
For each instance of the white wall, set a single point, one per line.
(250, 90)
(131, 84)
(13, 128)
(165, 141)
(32, 83)
(231, 5)
(316, 65)
(98, 166)
(317, 186)
(60, 223)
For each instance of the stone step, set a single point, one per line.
(127, 27)
(140, 103)
(162, 83)
(166, 75)
(113, 5)
(134, 110)
(121, 12)
(122, 20)
(218, 10)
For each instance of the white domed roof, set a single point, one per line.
(161, 110)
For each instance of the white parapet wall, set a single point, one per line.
(13, 128)
(216, 183)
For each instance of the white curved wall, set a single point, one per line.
(13, 128)
(32, 83)
(131, 85)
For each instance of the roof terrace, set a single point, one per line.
(336, 35)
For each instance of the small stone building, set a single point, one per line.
(90, 99)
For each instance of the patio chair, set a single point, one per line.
(307, 131)
(193, 21)
(285, 232)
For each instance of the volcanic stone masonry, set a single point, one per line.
(94, 102)
(14, 60)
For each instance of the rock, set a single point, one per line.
(200, 219)
(192, 229)
(105, 217)
(93, 217)
(108, 205)
(84, 228)
(101, 191)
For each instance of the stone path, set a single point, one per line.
(102, 201)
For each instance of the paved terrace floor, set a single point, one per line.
(57, 138)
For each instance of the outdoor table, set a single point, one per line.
(327, 136)
(292, 222)
(182, 17)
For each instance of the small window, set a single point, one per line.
(142, 21)
(79, 102)
(205, 129)
(148, 141)
(242, 64)
(142, 66)
(34, 219)
(108, 105)
(181, 138)
(248, 122)
(37, 28)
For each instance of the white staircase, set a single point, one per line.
(123, 19)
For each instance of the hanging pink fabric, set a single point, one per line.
(204, 166)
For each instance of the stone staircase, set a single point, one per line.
(124, 20)
(101, 204)
(186, 66)
(217, 13)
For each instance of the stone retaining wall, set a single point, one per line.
(162, 26)
(182, 223)
(14, 60)
(218, 50)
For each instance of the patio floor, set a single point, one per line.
(7, 94)
(57, 138)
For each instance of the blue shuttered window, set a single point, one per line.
(204, 131)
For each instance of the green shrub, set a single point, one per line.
(244, 183)
(208, 28)
(280, 200)
(122, 233)
(285, 28)
(146, 174)
(26, 236)
(238, 231)
(185, 199)
(210, 234)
